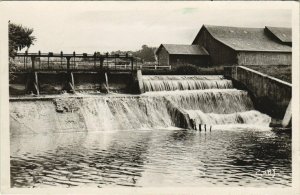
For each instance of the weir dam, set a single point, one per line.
(192, 130)
(200, 102)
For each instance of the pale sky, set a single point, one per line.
(106, 26)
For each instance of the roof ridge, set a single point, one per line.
(221, 26)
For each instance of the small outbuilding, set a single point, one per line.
(246, 46)
(174, 55)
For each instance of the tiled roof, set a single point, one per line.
(184, 49)
(283, 34)
(246, 39)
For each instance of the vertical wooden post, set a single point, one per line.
(101, 63)
(94, 60)
(39, 59)
(25, 60)
(24, 63)
(106, 80)
(115, 62)
(61, 59)
(68, 63)
(72, 83)
(33, 62)
(48, 62)
(36, 84)
(74, 59)
(132, 64)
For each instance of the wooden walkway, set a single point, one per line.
(68, 62)
(60, 62)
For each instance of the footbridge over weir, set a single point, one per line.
(52, 73)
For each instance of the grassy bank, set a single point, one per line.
(282, 72)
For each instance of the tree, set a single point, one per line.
(20, 37)
(146, 53)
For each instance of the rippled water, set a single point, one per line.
(151, 158)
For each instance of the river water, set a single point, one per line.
(125, 140)
(152, 158)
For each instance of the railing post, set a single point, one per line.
(33, 62)
(94, 60)
(106, 55)
(115, 62)
(61, 57)
(39, 59)
(74, 59)
(101, 63)
(25, 60)
(48, 61)
(68, 63)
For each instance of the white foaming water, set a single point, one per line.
(89, 114)
(172, 83)
(221, 101)
(248, 117)
(210, 100)
(152, 110)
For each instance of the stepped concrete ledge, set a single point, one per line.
(45, 98)
(270, 95)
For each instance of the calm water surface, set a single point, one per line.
(151, 158)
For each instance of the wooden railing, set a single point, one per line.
(61, 61)
(69, 62)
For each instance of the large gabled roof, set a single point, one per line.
(282, 34)
(183, 49)
(245, 39)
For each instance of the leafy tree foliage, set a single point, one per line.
(146, 54)
(19, 37)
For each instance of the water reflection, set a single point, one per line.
(150, 158)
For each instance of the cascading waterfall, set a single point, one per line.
(90, 114)
(209, 100)
(172, 83)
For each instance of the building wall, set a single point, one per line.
(220, 54)
(264, 58)
(176, 60)
(163, 57)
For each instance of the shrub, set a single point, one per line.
(187, 69)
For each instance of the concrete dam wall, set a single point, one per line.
(269, 95)
(188, 102)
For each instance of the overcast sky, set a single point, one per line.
(106, 26)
